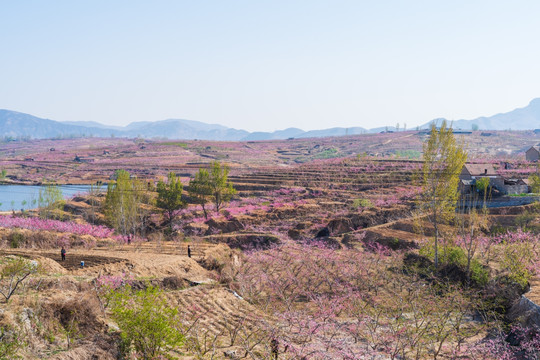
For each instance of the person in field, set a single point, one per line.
(274, 348)
(63, 253)
(188, 251)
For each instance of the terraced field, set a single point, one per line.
(31, 162)
(355, 175)
(215, 309)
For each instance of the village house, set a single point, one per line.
(473, 171)
(533, 154)
(470, 173)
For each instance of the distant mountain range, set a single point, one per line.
(15, 124)
(526, 118)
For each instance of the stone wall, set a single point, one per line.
(516, 189)
(505, 201)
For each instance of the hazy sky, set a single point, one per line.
(266, 65)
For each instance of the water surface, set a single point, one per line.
(17, 197)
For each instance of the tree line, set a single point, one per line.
(129, 200)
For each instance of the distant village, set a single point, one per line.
(500, 184)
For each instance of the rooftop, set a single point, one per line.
(480, 169)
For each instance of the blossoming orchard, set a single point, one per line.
(323, 248)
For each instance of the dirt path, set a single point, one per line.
(389, 141)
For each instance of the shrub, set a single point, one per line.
(456, 256)
(364, 203)
(518, 255)
(106, 286)
(498, 230)
(525, 219)
(515, 259)
(15, 239)
(534, 180)
(14, 270)
(479, 274)
(149, 326)
(10, 342)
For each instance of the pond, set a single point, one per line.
(17, 197)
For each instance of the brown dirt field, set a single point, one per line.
(74, 260)
(111, 262)
(198, 248)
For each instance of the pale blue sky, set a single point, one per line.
(267, 65)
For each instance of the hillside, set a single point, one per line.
(16, 124)
(526, 118)
(304, 262)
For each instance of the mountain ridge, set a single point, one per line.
(18, 124)
(524, 118)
